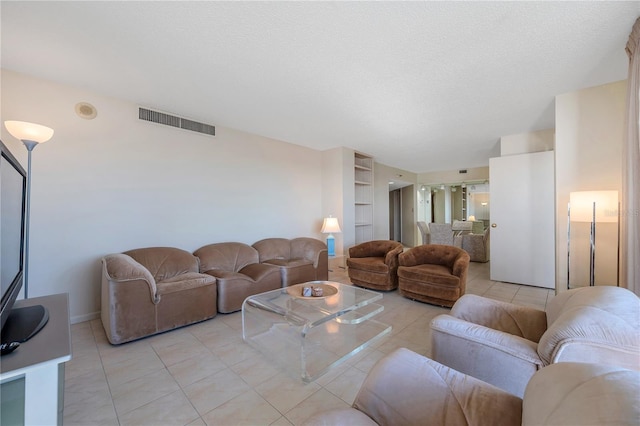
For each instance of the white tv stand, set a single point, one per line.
(40, 363)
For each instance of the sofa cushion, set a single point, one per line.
(292, 263)
(164, 262)
(273, 248)
(369, 264)
(433, 274)
(229, 256)
(187, 281)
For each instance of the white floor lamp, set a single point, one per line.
(31, 135)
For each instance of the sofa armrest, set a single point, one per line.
(499, 358)
(582, 394)
(122, 268)
(408, 388)
(522, 321)
(590, 334)
(498, 340)
(309, 249)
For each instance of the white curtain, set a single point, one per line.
(630, 208)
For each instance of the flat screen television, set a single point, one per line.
(16, 324)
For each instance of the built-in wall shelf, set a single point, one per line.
(363, 181)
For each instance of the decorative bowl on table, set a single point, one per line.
(312, 291)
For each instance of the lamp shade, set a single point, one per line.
(330, 225)
(471, 218)
(581, 204)
(25, 131)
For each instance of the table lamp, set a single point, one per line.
(329, 226)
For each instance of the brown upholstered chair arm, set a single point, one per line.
(411, 258)
(461, 264)
(523, 321)
(122, 268)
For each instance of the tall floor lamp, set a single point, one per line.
(31, 135)
(592, 207)
(331, 226)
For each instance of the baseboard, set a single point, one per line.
(82, 318)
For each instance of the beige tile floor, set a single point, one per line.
(205, 374)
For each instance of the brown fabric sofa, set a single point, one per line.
(433, 273)
(374, 264)
(405, 388)
(238, 273)
(150, 290)
(299, 259)
(505, 344)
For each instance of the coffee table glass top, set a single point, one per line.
(308, 335)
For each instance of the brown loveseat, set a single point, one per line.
(299, 259)
(150, 290)
(374, 264)
(433, 273)
(238, 273)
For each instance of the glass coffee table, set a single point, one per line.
(309, 335)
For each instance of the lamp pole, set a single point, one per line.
(30, 145)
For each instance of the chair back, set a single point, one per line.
(424, 231)
(441, 233)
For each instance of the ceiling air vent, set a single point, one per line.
(174, 121)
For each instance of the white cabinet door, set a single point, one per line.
(522, 211)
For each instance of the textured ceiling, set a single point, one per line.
(423, 86)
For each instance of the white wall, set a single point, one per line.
(453, 176)
(524, 143)
(335, 187)
(589, 136)
(116, 183)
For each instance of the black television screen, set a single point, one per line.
(13, 180)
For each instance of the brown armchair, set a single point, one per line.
(299, 259)
(150, 290)
(238, 273)
(374, 264)
(433, 273)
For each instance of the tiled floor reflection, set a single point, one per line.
(205, 374)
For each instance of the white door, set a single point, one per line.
(522, 209)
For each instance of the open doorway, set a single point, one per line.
(401, 213)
